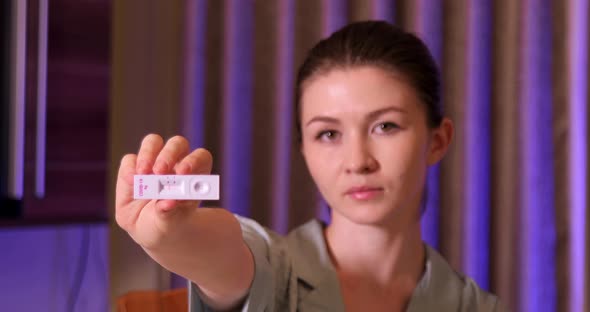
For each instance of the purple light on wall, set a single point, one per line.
(537, 219)
(478, 142)
(383, 10)
(195, 56)
(578, 96)
(335, 15)
(43, 268)
(429, 28)
(237, 106)
(284, 116)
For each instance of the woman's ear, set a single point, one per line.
(440, 140)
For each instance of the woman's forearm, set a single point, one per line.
(208, 249)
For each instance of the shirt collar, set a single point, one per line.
(439, 288)
(312, 265)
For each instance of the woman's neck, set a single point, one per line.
(383, 255)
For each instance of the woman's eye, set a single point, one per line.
(386, 127)
(328, 135)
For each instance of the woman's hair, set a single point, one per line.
(378, 44)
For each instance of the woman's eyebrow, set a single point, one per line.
(324, 119)
(381, 111)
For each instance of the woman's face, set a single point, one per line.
(366, 143)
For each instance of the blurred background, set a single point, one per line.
(83, 81)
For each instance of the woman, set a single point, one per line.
(370, 125)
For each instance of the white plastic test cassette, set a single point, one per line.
(192, 187)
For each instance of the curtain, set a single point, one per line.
(507, 206)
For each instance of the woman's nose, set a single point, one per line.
(359, 158)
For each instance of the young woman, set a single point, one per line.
(370, 125)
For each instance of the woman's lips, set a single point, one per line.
(364, 193)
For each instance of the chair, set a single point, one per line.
(175, 300)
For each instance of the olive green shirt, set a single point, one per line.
(295, 273)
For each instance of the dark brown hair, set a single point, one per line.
(379, 44)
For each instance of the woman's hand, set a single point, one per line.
(172, 231)
(154, 222)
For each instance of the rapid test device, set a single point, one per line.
(182, 187)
